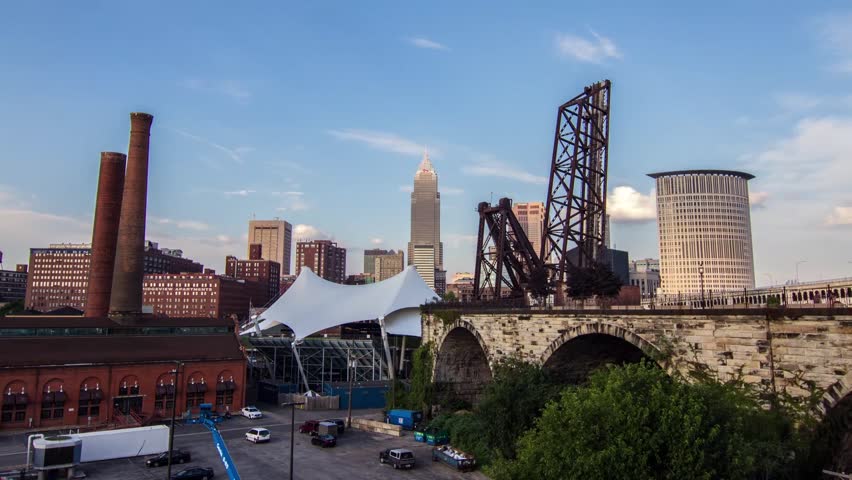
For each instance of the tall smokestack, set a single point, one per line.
(126, 296)
(105, 232)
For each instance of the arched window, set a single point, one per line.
(842, 293)
(53, 400)
(128, 385)
(196, 387)
(225, 388)
(15, 400)
(164, 394)
(91, 396)
(849, 292)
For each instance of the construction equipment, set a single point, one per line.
(209, 420)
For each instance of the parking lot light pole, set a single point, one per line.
(292, 406)
(172, 428)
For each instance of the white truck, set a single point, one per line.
(120, 443)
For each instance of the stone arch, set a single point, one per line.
(835, 410)
(592, 345)
(462, 364)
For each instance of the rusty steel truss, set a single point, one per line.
(576, 202)
(504, 255)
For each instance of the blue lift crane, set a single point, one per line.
(207, 418)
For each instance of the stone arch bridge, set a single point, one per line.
(779, 348)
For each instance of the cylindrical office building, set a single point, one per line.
(704, 231)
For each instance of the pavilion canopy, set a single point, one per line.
(312, 304)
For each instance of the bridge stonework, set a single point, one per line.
(791, 346)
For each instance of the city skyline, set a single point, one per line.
(241, 135)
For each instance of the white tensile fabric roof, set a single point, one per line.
(312, 304)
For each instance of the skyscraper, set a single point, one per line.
(275, 238)
(705, 231)
(531, 217)
(323, 257)
(426, 220)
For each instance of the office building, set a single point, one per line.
(426, 216)
(387, 265)
(531, 217)
(59, 275)
(648, 281)
(370, 257)
(424, 263)
(644, 265)
(275, 238)
(192, 295)
(266, 273)
(323, 257)
(359, 279)
(704, 225)
(13, 284)
(440, 281)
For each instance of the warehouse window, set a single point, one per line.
(195, 390)
(225, 388)
(14, 403)
(91, 396)
(53, 400)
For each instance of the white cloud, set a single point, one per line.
(834, 33)
(239, 193)
(377, 241)
(591, 50)
(229, 88)
(236, 154)
(797, 102)
(487, 166)
(38, 229)
(309, 232)
(223, 238)
(451, 190)
(288, 194)
(625, 205)
(839, 216)
(183, 224)
(406, 188)
(388, 142)
(758, 199)
(423, 42)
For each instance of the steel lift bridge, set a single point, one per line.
(575, 211)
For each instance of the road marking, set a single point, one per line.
(10, 454)
(207, 432)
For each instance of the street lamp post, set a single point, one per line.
(292, 406)
(701, 280)
(172, 429)
(350, 374)
(797, 269)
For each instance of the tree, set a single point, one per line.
(12, 308)
(636, 422)
(596, 279)
(540, 285)
(449, 297)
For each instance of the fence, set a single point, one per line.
(331, 402)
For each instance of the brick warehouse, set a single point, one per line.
(115, 366)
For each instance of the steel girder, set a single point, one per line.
(575, 213)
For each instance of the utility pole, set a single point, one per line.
(701, 280)
(174, 408)
(292, 406)
(350, 375)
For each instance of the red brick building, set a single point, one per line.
(100, 372)
(323, 257)
(266, 273)
(191, 295)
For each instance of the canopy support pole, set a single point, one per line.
(299, 363)
(402, 355)
(391, 373)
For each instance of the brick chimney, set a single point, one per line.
(105, 232)
(126, 296)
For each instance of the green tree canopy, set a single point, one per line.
(596, 279)
(636, 422)
(540, 285)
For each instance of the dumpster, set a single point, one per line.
(454, 458)
(406, 418)
(437, 437)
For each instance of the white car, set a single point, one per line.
(251, 412)
(258, 435)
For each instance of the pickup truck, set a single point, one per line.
(398, 457)
(456, 459)
(310, 426)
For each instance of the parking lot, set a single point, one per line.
(355, 457)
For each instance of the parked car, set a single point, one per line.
(258, 435)
(161, 460)
(324, 441)
(194, 473)
(341, 424)
(398, 457)
(251, 412)
(310, 426)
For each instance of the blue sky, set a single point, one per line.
(318, 114)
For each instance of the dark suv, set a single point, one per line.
(161, 460)
(195, 473)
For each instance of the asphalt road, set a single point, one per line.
(355, 457)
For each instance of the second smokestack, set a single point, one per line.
(126, 296)
(105, 232)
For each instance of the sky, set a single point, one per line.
(319, 114)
